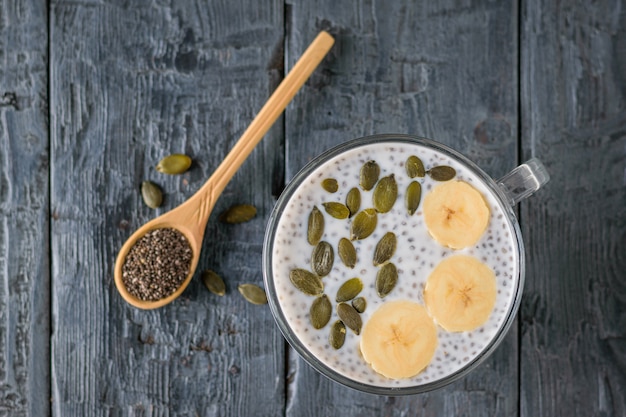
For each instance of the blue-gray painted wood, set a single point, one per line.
(24, 255)
(131, 83)
(573, 315)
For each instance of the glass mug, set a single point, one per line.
(289, 249)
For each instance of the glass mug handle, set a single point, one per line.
(523, 181)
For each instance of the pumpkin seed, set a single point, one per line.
(350, 317)
(330, 185)
(253, 293)
(386, 279)
(442, 173)
(306, 281)
(385, 194)
(152, 194)
(369, 175)
(240, 213)
(213, 282)
(316, 226)
(413, 197)
(385, 248)
(337, 334)
(322, 259)
(337, 210)
(320, 311)
(359, 304)
(363, 224)
(414, 167)
(353, 201)
(347, 252)
(349, 289)
(174, 164)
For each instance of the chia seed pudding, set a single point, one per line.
(416, 256)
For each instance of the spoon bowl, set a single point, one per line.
(190, 217)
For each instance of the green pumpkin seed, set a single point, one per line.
(152, 194)
(385, 248)
(349, 289)
(240, 213)
(306, 281)
(369, 175)
(386, 279)
(413, 197)
(213, 282)
(174, 164)
(414, 167)
(330, 185)
(337, 210)
(350, 317)
(322, 259)
(442, 173)
(363, 224)
(253, 293)
(353, 201)
(359, 304)
(347, 252)
(316, 226)
(337, 334)
(320, 311)
(385, 194)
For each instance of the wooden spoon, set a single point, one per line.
(190, 218)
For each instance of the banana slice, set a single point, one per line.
(460, 293)
(399, 339)
(456, 214)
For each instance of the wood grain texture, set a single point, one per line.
(574, 118)
(24, 257)
(132, 82)
(445, 70)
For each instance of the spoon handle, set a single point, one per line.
(268, 114)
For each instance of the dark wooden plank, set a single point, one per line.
(574, 118)
(24, 260)
(439, 69)
(131, 83)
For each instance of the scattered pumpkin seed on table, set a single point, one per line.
(359, 304)
(385, 248)
(253, 293)
(151, 194)
(213, 282)
(240, 213)
(174, 164)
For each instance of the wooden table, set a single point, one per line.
(94, 93)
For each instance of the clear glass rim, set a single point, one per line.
(274, 303)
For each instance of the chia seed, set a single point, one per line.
(157, 264)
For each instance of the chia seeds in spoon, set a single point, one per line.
(157, 264)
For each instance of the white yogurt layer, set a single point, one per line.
(416, 256)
